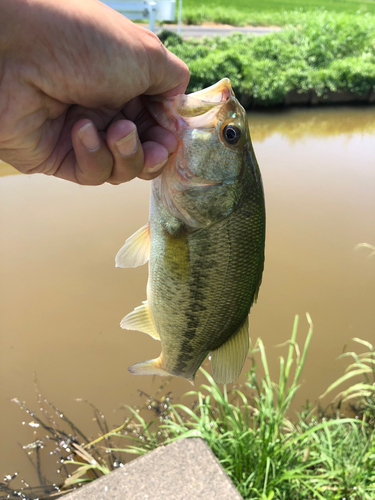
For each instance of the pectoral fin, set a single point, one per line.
(136, 250)
(140, 319)
(227, 360)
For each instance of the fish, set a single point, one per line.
(204, 240)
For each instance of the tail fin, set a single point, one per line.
(150, 367)
(154, 367)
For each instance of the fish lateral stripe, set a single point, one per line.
(177, 254)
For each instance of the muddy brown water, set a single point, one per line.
(61, 298)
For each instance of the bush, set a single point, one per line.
(354, 74)
(326, 52)
(216, 65)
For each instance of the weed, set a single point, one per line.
(267, 454)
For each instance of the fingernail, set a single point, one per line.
(127, 146)
(89, 137)
(156, 168)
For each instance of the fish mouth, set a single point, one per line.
(198, 103)
(196, 110)
(219, 92)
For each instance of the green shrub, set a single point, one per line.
(216, 65)
(354, 74)
(326, 52)
(170, 38)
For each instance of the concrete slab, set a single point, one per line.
(184, 470)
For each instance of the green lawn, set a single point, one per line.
(268, 12)
(249, 6)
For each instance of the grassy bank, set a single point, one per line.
(268, 454)
(268, 451)
(327, 53)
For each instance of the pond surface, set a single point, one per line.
(61, 298)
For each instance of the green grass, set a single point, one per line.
(268, 451)
(266, 12)
(265, 452)
(282, 5)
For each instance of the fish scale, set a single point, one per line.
(205, 239)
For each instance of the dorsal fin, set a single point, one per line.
(227, 360)
(136, 250)
(140, 319)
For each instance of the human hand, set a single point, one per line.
(72, 76)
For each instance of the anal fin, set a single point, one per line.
(227, 360)
(136, 250)
(140, 319)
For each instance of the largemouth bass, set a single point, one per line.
(204, 240)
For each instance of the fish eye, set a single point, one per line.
(231, 134)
